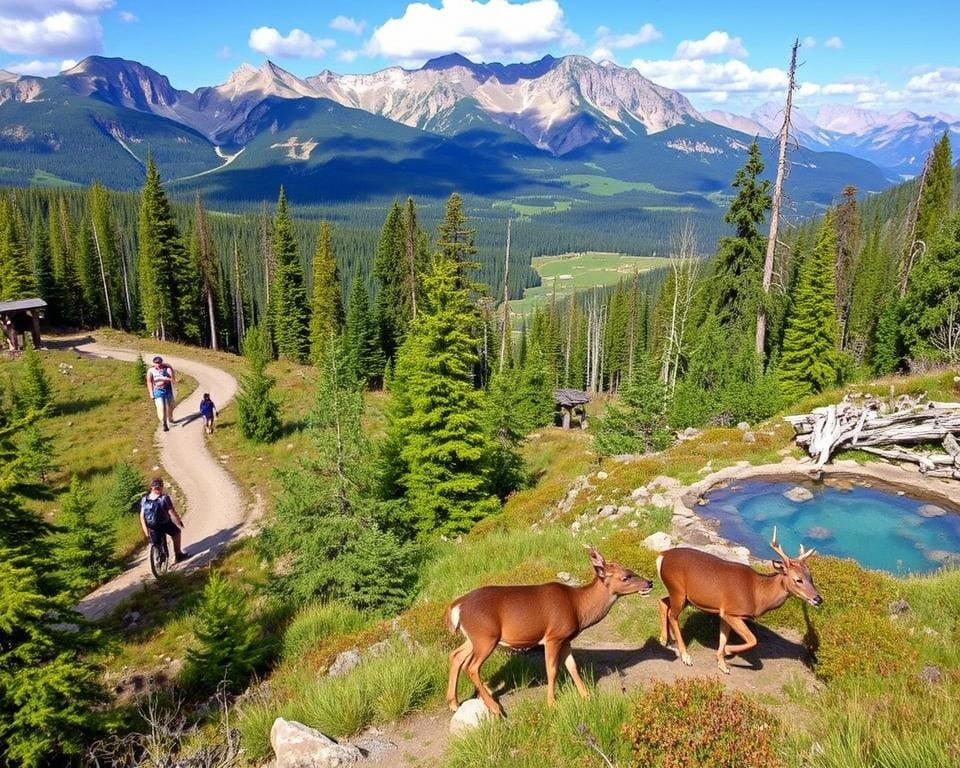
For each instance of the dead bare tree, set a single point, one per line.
(506, 300)
(775, 212)
(686, 266)
(915, 248)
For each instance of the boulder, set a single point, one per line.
(658, 541)
(819, 533)
(743, 426)
(659, 500)
(344, 662)
(689, 433)
(749, 437)
(607, 510)
(468, 716)
(798, 494)
(931, 510)
(664, 482)
(299, 746)
(639, 493)
(602, 475)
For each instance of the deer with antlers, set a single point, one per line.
(734, 591)
(522, 617)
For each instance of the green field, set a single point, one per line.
(569, 272)
(605, 186)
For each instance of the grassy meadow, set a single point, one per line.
(872, 704)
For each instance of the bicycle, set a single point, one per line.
(159, 557)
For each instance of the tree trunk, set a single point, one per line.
(775, 212)
(506, 301)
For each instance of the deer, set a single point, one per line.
(734, 591)
(522, 617)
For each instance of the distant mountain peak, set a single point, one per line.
(8, 77)
(450, 60)
(241, 74)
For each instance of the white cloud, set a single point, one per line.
(346, 24)
(701, 77)
(347, 56)
(715, 44)
(646, 34)
(603, 54)
(40, 9)
(833, 42)
(941, 83)
(59, 34)
(497, 29)
(128, 18)
(809, 41)
(296, 45)
(41, 68)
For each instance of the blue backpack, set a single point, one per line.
(154, 510)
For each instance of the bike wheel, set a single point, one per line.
(159, 561)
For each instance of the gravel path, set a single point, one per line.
(210, 503)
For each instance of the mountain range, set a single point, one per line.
(558, 128)
(898, 142)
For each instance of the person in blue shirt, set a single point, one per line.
(207, 410)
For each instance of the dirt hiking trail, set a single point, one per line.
(210, 504)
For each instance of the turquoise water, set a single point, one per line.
(877, 528)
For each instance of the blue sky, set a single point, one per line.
(881, 55)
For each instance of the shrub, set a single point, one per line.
(861, 642)
(316, 622)
(695, 723)
(33, 391)
(228, 643)
(86, 550)
(258, 414)
(125, 490)
(138, 372)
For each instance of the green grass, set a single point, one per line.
(527, 210)
(569, 272)
(606, 186)
(46, 179)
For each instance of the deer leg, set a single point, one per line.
(664, 606)
(676, 607)
(724, 638)
(457, 659)
(566, 653)
(479, 655)
(740, 627)
(551, 655)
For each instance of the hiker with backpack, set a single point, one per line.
(160, 381)
(158, 518)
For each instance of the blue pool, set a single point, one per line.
(878, 528)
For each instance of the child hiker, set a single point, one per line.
(207, 410)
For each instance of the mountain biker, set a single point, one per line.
(160, 381)
(158, 518)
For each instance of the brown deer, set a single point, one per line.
(522, 617)
(733, 590)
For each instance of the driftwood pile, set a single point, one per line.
(883, 427)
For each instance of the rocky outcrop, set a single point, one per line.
(299, 746)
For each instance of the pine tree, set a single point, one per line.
(65, 281)
(809, 361)
(436, 422)
(637, 422)
(335, 537)
(33, 391)
(91, 311)
(888, 351)
(455, 240)
(388, 269)
(258, 414)
(289, 311)
(326, 311)
(40, 261)
(16, 275)
(160, 253)
(36, 448)
(207, 267)
(228, 646)
(363, 356)
(936, 194)
(735, 286)
(108, 255)
(508, 416)
(125, 490)
(86, 548)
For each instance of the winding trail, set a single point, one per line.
(210, 503)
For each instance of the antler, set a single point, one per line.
(777, 548)
(805, 553)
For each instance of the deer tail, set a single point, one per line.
(452, 618)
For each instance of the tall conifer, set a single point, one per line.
(326, 310)
(289, 309)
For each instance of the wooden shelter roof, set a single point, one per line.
(568, 398)
(21, 304)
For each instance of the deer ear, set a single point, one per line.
(598, 563)
(778, 566)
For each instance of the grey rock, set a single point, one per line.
(658, 541)
(632, 524)
(659, 500)
(563, 576)
(607, 510)
(378, 649)
(898, 607)
(931, 510)
(798, 494)
(374, 748)
(749, 437)
(689, 433)
(469, 716)
(344, 662)
(602, 475)
(743, 426)
(639, 493)
(624, 510)
(819, 533)
(664, 482)
(931, 675)
(299, 746)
